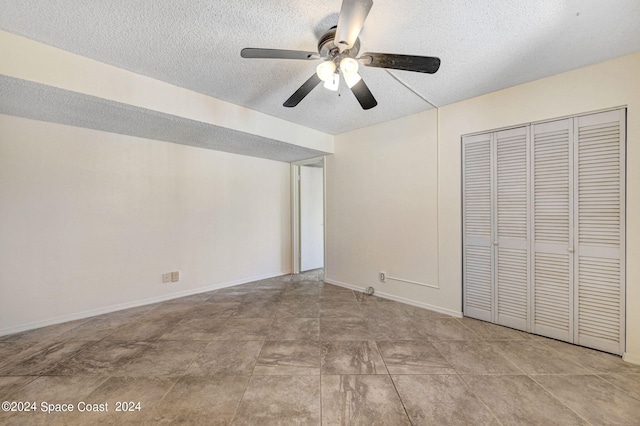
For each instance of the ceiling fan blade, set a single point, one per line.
(352, 16)
(303, 91)
(250, 52)
(364, 95)
(425, 64)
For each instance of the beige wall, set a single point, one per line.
(89, 221)
(382, 211)
(358, 248)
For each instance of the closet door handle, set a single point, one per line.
(570, 250)
(495, 243)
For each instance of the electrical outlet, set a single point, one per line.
(383, 277)
(166, 278)
(175, 276)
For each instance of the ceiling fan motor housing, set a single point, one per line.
(328, 49)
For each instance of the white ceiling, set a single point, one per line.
(484, 46)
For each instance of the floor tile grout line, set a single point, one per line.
(184, 372)
(444, 357)
(178, 378)
(560, 354)
(512, 362)
(320, 385)
(558, 399)
(457, 373)
(618, 387)
(262, 344)
(33, 378)
(70, 357)
(479, 397)
(458, 320)
(244, 391)
(404, 407)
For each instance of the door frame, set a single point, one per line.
(296, 250)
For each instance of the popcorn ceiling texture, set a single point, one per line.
(484, 46)
(45, 103)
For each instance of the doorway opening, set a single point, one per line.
(308, 184)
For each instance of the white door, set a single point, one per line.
(544, 229)
(311, 218)
(512, 227)
(553, 224)
(477, 201)
(599, 203)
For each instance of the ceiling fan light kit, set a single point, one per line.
(326, 70)
(349, 66)
(333, 83)
(339, 48)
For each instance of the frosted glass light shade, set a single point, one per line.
(325, 70)
(349, 66)
(333, 83)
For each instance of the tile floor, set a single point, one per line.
(294, 350)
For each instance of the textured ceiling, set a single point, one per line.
(484, 46)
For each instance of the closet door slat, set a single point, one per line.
(512, 227)
(599, 302)
(552, 272)
(477, 227)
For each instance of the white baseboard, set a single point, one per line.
(456, 314)
(345, 285)
(631, 358)
(134, 304)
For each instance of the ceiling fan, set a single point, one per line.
(339, 48)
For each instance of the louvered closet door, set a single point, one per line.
(599, 308)
(512, 226)
(477, 229)
(552, 263)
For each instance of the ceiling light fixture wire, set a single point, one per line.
(437, 170)
(411, 89)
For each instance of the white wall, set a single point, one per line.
(89, 221)
(355, 186)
